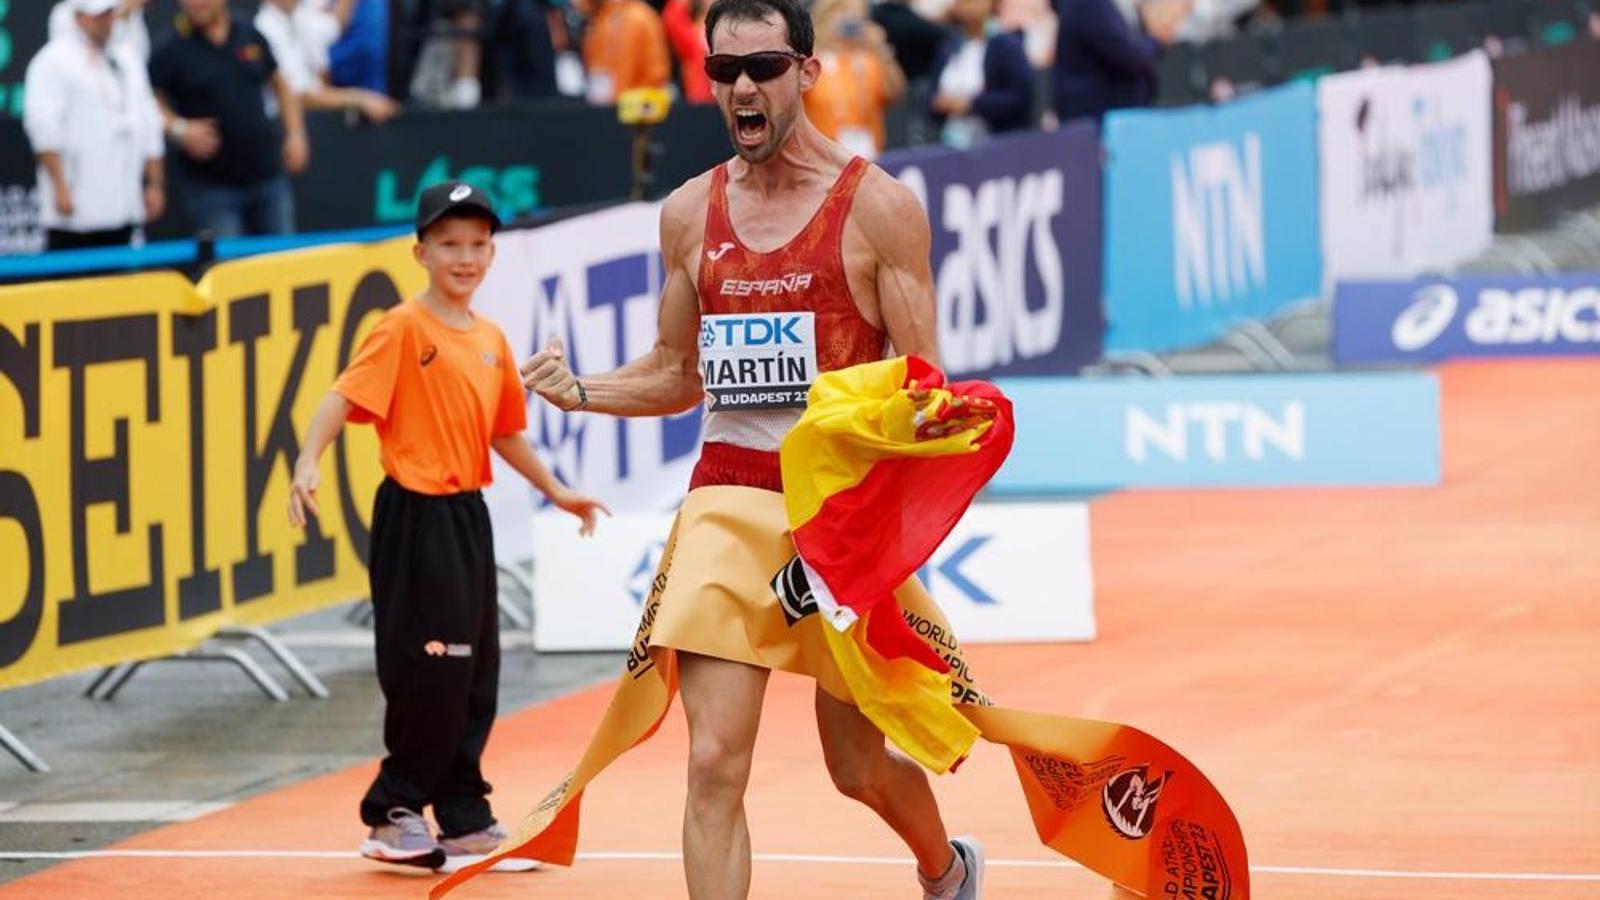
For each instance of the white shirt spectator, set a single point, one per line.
(1213, 19)
(97, 111)
(299, 41)
(130, 31)
(962, 77)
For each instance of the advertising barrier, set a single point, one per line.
(1222, 431)
(1377, 322)
(1016, 250)
(1210, 217)
(1546, 133)
(147, 433)
(1009, 572)
(1405, 168)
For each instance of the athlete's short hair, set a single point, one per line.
(802, 37)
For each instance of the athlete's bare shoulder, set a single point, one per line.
(683, 217)
(888, 215)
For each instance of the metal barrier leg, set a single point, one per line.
(360, 614)
(1247, 348)
(282, 654)
(265, 682)
(1268, 342)
(1139, 360)
(17, 748)
(514, 613)
(101, 679)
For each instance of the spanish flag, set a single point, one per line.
(877, 472)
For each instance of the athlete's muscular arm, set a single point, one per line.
(665, 380)
(896, 228)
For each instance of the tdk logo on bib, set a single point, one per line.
(752, 331)
(758, 361)
(1397, 321)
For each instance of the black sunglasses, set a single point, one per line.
(724, 68)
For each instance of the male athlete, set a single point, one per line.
(794, 224)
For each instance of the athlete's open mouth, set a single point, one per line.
(750, 125)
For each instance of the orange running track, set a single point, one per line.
(1398, 690)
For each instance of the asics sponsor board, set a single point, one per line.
(1406, 171)
(1209, 217)
(1008, 572)
(1546, 133)
(1410, 321)
(1016, 249)
(1247, 430)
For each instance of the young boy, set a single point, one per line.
(442, 388)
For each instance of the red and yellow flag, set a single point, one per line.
(877, 472)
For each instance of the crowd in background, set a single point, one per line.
(225, 86)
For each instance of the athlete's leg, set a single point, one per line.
(722, 701)
(893, 786)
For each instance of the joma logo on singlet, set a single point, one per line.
(792, 283)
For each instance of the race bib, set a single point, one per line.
(759, 360)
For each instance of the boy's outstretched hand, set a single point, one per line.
(303, 493)
(585, 508)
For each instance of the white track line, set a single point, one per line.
(1591, 877)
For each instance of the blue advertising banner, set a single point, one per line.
(1430, 319)
(1077, 435)
(1210, 217)
(1016, 250)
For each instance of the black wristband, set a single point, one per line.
(583, 398)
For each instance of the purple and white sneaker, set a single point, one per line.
(466, 849)
(405, 841)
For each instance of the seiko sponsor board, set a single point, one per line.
(1076, 435)
(1009, 572)
(1402, 321)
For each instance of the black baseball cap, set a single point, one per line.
(453, 198)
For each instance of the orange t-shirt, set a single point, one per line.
(849, 98)
(437, 395)
(624, 48)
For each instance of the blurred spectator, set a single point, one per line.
(984, 85)
(1104, 61)
(449, 66)
(360, 57)
(860, 79)
(1211, 20)
(916, 41)
(96, 131)
(128, 32)
(624, 47)
(1036, 19)
(299, 36)
(521, 48)
(210, 77)
(685, 22)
